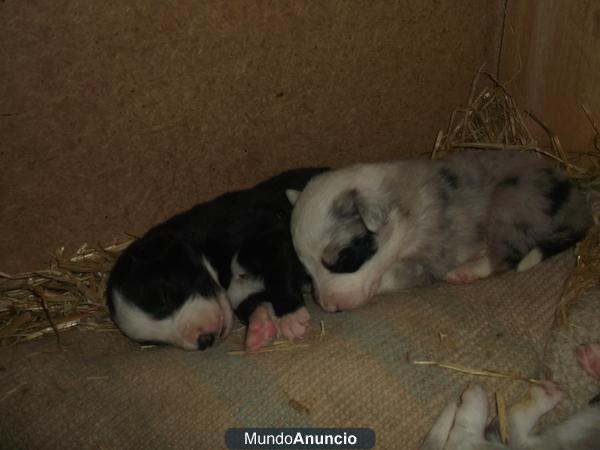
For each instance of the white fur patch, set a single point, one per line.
(242, 284)
(139, 325)
(292, 195)
(531, 259)
(462, 427)
(437, 437)
(197, 316)
(211, 270)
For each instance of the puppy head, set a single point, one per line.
(161, 291)
(337, 228)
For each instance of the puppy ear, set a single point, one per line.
(373, 214)
(292, 195)
(351, 204)
(344, 205)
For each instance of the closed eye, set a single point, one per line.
(351, 258)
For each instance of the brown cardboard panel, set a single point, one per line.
(114, 115)
(552, 51)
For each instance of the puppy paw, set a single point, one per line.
(461, 276)
(523, 415)
(470, 272)
(545, 395)
(588, 356)
(470, 419)
(261, 328)
(294, 325)
(473, 410)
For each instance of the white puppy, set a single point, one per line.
(372, 228)
(463, 426)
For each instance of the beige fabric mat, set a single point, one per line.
(583, 328)
(98, 390)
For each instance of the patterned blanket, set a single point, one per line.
(99, 390)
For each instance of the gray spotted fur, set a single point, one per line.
(501, 204)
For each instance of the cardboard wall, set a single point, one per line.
(116, 114)
(551, 52)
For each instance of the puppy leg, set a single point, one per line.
(274, 260)
(523, 415)
(588, 356)
(470, 420)
(437, 437)
(283, 278)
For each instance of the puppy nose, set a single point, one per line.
(205, 341)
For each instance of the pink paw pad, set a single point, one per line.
(461, 276)
(588, 356)
(261, 329)
(546, 395)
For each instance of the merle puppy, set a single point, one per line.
(372, 228)
(180, 283)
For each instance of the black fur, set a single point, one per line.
(481, 231)
(159, 271)
(558, 193)
(449, 177)
(510, 181)
(362, 247)
(344, 206)
(352, 257)
(513, 255)
(562, 239)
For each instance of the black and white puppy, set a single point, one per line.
(372, 228)
(180, 283)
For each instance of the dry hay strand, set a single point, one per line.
(502, 418)
(68, 294)
(492, 121)
(476, 372)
